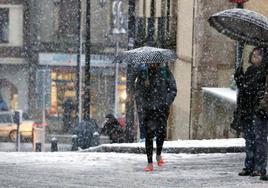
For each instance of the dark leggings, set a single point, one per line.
(155, 123)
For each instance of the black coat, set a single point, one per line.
(113, 129)
(251, 86)
(155, 89)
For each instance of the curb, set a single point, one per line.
(175, 150)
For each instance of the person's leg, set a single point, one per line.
(149, 142)
(148, 114)
(141, 123)
(249, 146)
(160, 136)
(161, 130)
(149, 145)
(261, 146)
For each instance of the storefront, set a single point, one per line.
(62, 84)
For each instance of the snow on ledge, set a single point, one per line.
(212, 143)
(225, 93)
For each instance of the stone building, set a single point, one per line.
(206, 59)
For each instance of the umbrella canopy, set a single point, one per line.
(242, 25)
(146, 55)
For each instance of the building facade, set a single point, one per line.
(14, 64)
(206, 59)
(38, 55)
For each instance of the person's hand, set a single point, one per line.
(238, 72)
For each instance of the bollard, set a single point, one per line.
(74, 143)
(38, 147)
(54, 144)
(96, 139)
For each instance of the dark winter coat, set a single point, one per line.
(251, 86)
(113, 129)
(155, 89)
(68, 106)
(264, 101)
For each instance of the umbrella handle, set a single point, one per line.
(239, 54)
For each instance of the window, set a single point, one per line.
(4, 12)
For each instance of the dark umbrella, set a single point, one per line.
(242, 25)
(146, 55)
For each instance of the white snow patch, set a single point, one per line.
(231, 142)
(225, 93)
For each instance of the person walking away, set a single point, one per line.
(141, 73)
(3, 105)
(113, 129)
(68, 107)
(253, 118)
(157, 90)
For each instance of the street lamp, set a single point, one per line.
(87, 65)
(130, 84)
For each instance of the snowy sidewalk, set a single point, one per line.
(121, 170)
(233, 145)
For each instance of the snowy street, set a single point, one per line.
(67, 169)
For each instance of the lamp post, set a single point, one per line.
(79, 67)
(130, 83)
(117, 30)
(86, 106)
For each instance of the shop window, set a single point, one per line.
(4, 22)
(62, 87)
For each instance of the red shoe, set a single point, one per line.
(161, 162)
(149, 168)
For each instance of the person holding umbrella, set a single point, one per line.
(251, 85)
(264, 106)
(156, 89)
(249, 27)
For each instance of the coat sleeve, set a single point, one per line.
(171, 89)
(264, 101)
(239, 77)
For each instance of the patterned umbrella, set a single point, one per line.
(242, 25)
(146, 55)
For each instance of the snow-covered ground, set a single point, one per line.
(231, 142)
(213, 143)
(76, 169)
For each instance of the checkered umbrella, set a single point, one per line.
(242, 25)
(146, 55)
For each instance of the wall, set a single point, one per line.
(213, 59)
(182, 70)
(259, 6)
